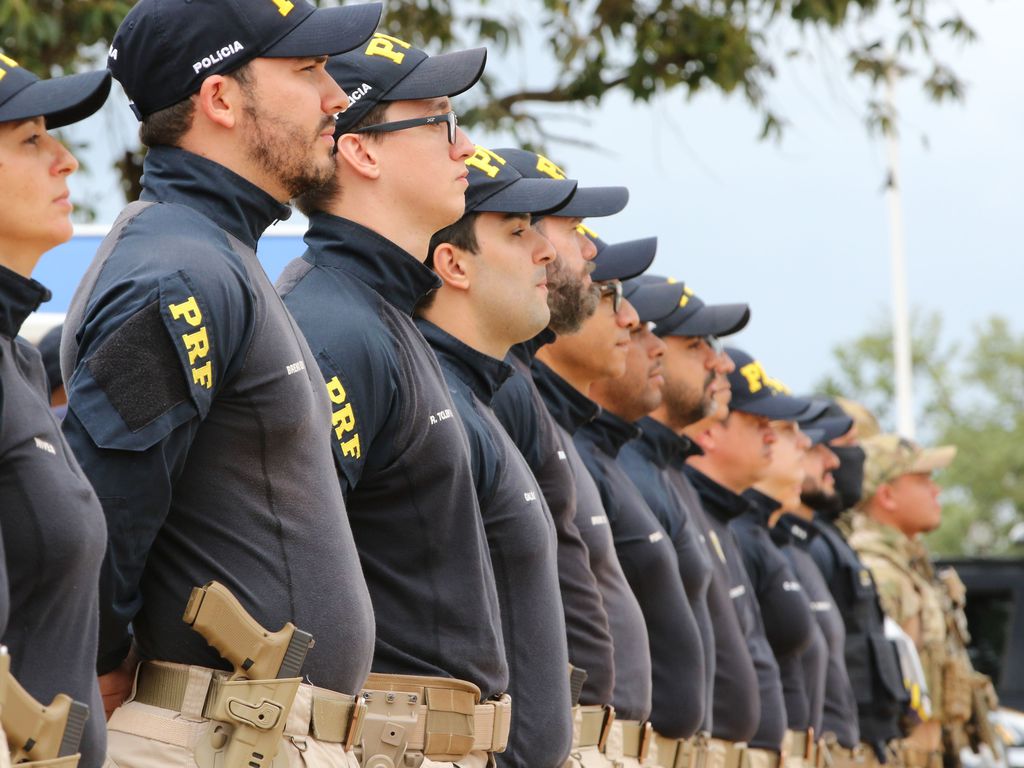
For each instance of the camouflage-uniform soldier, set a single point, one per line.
(900, 502)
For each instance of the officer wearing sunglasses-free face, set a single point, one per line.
(400, 449)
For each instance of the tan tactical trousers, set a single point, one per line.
(143, 736)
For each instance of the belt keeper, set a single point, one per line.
(646, 735)
(606, 727)
(809, 746)
(355, 723)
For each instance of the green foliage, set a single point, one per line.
(970, 397)
(640, 47)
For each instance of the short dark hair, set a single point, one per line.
(167, 126)
(318, 198)
(461, 234)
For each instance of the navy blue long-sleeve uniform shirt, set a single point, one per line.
(521, 538)
(785, 608)
(871, 658)
(520, 409)
(401, 455)
(195, 409)
(648, 559)
(722, 506)
(631, 696)
(52, 530)
(838, 706)
(654, 462)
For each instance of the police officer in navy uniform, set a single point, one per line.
(611, 344)
(194, 402)
(655, 462)
(871, 659)
(494, 268)
(401, 452)
(51, 522)
(736, 453)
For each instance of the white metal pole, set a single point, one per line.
(900, 313)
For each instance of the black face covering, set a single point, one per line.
(849, 476)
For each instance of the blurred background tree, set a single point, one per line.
(970, 396)
(596, 47)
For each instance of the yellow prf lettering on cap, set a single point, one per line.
(384, 45)
(754, 374)
(546, 166)
(9, 62)
(685, 298)
(284, 7)
(481, 160)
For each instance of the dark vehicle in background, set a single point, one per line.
(995, 617)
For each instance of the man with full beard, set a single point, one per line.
(194, 408)
(871, 659)
(654, 462)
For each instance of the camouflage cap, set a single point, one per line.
(888, 456)
(867, 424)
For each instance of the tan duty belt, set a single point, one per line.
(834, 755)
(912, 757)
(591, 725)
(634, 738)
(681, 753)
(450, 721)
(802, 746)
(754, 757)
(335, 717)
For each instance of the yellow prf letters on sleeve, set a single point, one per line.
(197, 343)
(384, 45)
(343, 419)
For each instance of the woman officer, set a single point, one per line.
(51, 523)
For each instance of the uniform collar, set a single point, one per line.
(717, 499)
(398, 277)
(664, 447)
(236, 205)
(761, 505)
(873, 536)
(793, 529)
(19, 298)
(527, 351)
(609, 432)
(482, 373)
(569, 407)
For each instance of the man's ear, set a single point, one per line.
(885, 497)
(706, 437)
(452, 265)
(220, 101)
(360, 154)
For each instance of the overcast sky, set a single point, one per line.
(798, 229)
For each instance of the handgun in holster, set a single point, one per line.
(257, 697)
(39, 735)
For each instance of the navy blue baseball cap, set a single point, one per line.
(586, 203)
(164, 49)
(495, 186)
(620, 261)
(652, 301)
(61, 100)
(695, 318)
(390, 69)
(755, 392)
(827, 423)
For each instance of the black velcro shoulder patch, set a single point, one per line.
(140, 344)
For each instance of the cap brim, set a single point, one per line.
(782, 407)
(327, 32)
(589, 202)
(654, 302)
(829, 428)
(624, 261)
(447, 74)
(531, 196)
(932, 459)
(61, 100)
(714, 320)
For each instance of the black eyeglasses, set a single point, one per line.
(611, 288)
(450, 118)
